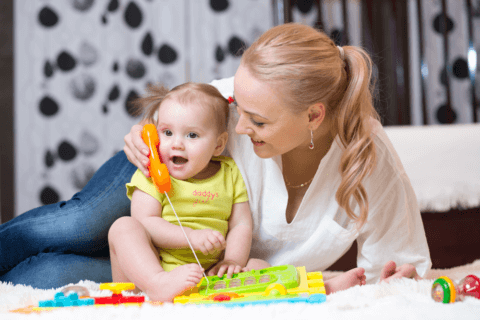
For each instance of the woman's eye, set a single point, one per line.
(192, 135)
(168, 133)
(258, 124)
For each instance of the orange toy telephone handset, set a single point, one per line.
(158, 170)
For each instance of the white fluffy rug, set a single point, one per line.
(401, 299)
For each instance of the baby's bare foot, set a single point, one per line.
(166, 285)
(347, 280)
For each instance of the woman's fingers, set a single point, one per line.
(136, 149)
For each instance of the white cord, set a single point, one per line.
(191, 247)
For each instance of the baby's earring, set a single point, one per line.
(311, 146)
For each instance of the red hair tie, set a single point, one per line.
(231, 100)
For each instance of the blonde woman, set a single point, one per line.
(319, 170)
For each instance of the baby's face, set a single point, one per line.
(188, 138)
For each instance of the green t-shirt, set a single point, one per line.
(199, 204)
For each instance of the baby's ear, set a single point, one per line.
(221, 144)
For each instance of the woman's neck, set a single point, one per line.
(301, 164)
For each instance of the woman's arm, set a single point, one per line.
(394, 234)
(239, 241)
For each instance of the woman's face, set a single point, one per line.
(273, 128)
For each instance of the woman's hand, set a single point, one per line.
(136, 150)
(391, 271)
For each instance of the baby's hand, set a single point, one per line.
(229, 266)
(207, 241)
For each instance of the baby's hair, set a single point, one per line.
(307, 68)
(188, 93)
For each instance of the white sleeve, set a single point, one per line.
(394, 231)
(225, 86)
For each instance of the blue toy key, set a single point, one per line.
(71, 301)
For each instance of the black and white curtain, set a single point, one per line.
(78, 63)
(443, 39)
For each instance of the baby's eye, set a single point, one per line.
(192, 135)
(168, 133)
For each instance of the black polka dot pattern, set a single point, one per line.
(167, 54)
(440, 26)
(236, 46)
(82, 5)
(304, 5)
(135, 69)
(65, 61)
(48, 195)
(91, 59)
(133, 15)
(446, 114)
(129, 107)
(147, 44)
(47, 17)
(219, 5)
(460, 68)
(66, 151)
(48, 106)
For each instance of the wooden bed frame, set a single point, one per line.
(453, 239)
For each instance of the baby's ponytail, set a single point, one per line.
(148, 104)
(353, 120)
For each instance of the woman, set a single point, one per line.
(320, 173)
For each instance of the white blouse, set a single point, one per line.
(321, 231)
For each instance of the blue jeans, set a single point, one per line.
(62, 243)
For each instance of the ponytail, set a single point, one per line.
(354, 115)
(148, 104)
(308, 68)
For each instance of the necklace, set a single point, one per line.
(300, 185)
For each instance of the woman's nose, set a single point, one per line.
(242, 127)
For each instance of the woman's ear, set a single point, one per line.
(316, 115)
(221, 144)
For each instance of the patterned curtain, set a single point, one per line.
(444, 45)
(425, 53)
(78, 63)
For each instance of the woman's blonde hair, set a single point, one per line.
(188, 93)
(306, 66)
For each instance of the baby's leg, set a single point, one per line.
(135, 259)
(256, 264)
(346, 280)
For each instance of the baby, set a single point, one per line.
(208, 195)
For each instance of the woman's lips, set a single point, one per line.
(257, 143)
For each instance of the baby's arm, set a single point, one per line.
(239, 241)
(164, 234)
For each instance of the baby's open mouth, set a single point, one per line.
(179, 160)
